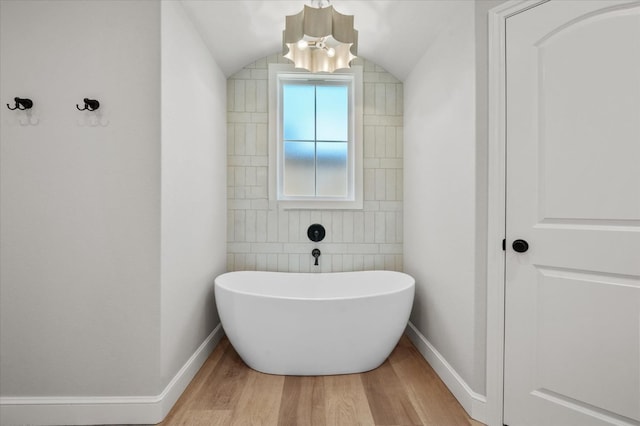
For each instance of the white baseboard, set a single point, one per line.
(473, 403)
(107, 410)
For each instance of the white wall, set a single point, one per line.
(440, 195)
(80, 210)
(194, 152)
(113, 223)
(262, 237)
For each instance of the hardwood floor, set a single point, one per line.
(402, 391)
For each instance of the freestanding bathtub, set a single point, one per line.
(310, 324)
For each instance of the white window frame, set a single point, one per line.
(279, 73)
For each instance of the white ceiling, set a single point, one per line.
(392, 33)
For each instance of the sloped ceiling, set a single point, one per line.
(392, 33)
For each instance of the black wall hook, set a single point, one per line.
(89, 104)
(21, 104)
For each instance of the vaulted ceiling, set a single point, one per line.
(392, 33)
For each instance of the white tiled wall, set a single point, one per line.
(261, 237)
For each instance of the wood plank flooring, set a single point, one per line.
(402, 391)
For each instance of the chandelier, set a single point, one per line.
(320, 39)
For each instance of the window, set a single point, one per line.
(315, 138)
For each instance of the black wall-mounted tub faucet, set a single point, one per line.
(315, 253)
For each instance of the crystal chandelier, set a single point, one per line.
(320, 39)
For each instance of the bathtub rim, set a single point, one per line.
(410, 286)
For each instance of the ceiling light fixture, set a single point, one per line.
(320, 39)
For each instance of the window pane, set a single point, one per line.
(298, 173)
(331, 172)
(332, 103)
(298, 110)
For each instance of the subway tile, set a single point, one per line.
(380, 184)
(370, 77)
(390, 262)
(358, 262)
(250, 95)
(371, 163)
(239, 95)
(294, 263)
(259, 74)
(369, 227)
(389, 206)
(261, 226)
(379, 102)
(299, 248)
(259, 117)
(369, 98)
(239, 143)
(380, 227)
(231, 138)
(262, 144)
(263, 237)
(231, 229)
(358, 227)
(305, 221)
(369, 141)
(261, 261)
(283, 262)
(369, 263)
(336, 227)
(390, 248)
(390, 227)
(251, 177)
(250, 225)
(240, 176)
(336, 263)
(272, 227)
(382, 120)
(243, 74)
(369, 184)
(391, 163)
(259, 161)
(272, 262)
(239, 160)
(235, 204)
(391, 145)
(283, 226)
(390, 184)
(390, 99)
(381, 142)
(294, 226)
(238, 117)
(250, 262)
(266, 247)
(231, 95)
(238, 260)
(250, 139)
(260, 204)
(347, 227)
(262, 96)
(347, 262)
(239, 225)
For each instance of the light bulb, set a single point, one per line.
(302, 44)
(331, 52)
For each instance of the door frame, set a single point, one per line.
(496, 188)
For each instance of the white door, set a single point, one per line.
(572, 317)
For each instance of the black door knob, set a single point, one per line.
(520, 246)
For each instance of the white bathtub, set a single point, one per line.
(314, 324)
